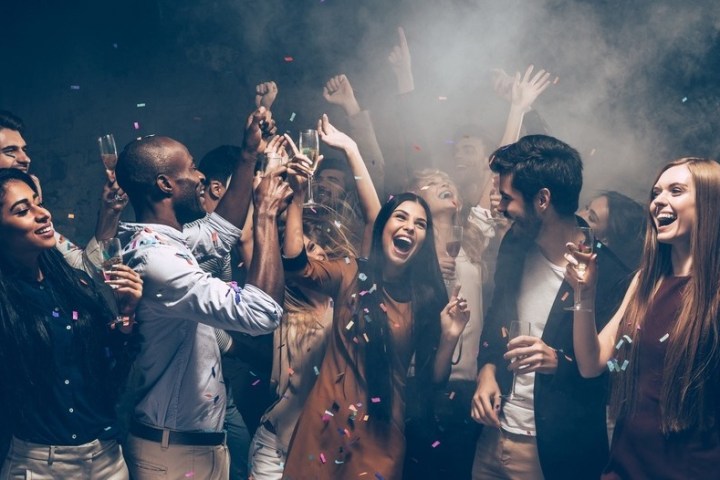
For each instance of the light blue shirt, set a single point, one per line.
(181, 384)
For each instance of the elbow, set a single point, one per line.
(587, 371)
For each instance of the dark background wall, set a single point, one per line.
(639, 81)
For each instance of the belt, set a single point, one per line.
(267, 424)
(203, 439)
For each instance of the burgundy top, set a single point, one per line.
(639, 448)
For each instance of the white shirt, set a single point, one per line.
(466, 350)
(181, 386)
(538, 289)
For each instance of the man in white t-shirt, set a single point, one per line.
(554, 424)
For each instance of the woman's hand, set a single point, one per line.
(587, 280)
(455, 315)
(333, 137)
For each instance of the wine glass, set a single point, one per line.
(268, 161)
(517, 328)
(452, 247)
(310, 147)
(584, 241)
(111, 251)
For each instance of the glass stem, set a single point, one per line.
(311, 199)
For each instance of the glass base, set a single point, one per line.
(577, 308)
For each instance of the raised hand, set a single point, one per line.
(272, 194)
(525, 90)
(265, 94)
(113, 197)
(401, 64)
(333, 137)
(338, 91)
(502, 83)
(455, 315)
(258, 124)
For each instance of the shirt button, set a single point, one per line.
(73, 436)
(68, 327)
(67, 382)
(71, 410)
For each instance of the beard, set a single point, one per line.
(189, 209)
(528, 225)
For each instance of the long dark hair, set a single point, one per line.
(26, 355)
(428, 296)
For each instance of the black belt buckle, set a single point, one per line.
(202, 439)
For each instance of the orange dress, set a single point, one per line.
(335, 438)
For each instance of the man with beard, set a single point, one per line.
(178, 419)
(554, 427)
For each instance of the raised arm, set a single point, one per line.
(234, 205)
(592, 350)
(265, 271)
(265, 94)
(369, 202)
(338, 91)
(523, 93)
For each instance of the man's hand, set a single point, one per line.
(273, 194)
(401, 64)
(486, 402)
(265, 94)
(333, 137)
(531, 354)
(338, 91)
(257, 127)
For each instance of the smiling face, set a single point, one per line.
(329, 186)
(403, 237)
(188, 184)
(441, 196)
(25, 225)
(314, 250)
(470, 158)
(596, 214)
(672, 207)
(13, 150)
(514, 208)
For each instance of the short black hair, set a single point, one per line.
(542, 161)
(341, 165)
(139, 165)
(219, 163)
(11, 121)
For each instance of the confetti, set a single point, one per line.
(378, 476)
(619, 344)
(504, 332)
(55, 313)
(425, 187)
(664, 337)
(358, 178)
(71, 215)
(592, 152)
(316, 370)
(362, 277)
(375, 399)
(74, 87)
(292, 117)
(435, 443)
(624, 365)
(347, 260)
(366, 418)
(136, 125)
(611, 365)
(383, 307)
(322, 457)
(75, 315)
(189, 474)
(565, 296)
(684, 99)
(627, 338)
(290, 371)
(367, 340)
(255, 382)
(289, 59)
(452, 395)
(417, 148)
(140, 105)
(349, 325)
(442, 99)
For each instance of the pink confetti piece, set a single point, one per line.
(375, 399)
(136, 125)
(435, 443)
(322, 457)
(189, 474)
(441, 98)
(383, 307)
(288, 59)
(255, 382)
(75, 315)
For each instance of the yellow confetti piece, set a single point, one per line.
(71, 215)
(365, 418)
(349, 325)
(366, 337)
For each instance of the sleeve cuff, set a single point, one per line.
(296, 263)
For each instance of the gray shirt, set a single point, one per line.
(181, 384)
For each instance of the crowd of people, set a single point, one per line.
(250, 333)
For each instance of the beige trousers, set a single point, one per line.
(150, 460)
(504, 455)
(99, 459)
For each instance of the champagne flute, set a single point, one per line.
(584, 240)
(111, 251)
(310, 147)
(517, 328)
(109, 156)
(452, 247)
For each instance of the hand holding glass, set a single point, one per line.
(517, 328)
(310, 147)
(584, 241)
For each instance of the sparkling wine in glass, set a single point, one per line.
(108, 151)
(111, 255)
(584, 240)
(310, 146)
(517, 328)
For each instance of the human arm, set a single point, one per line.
(592, 350)
(525, 90)
(339, 91)
(453, 319)
(486, 401)
(265, 94)
(265, 270)
(401, 63)
(369, 202)
(235, 203)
